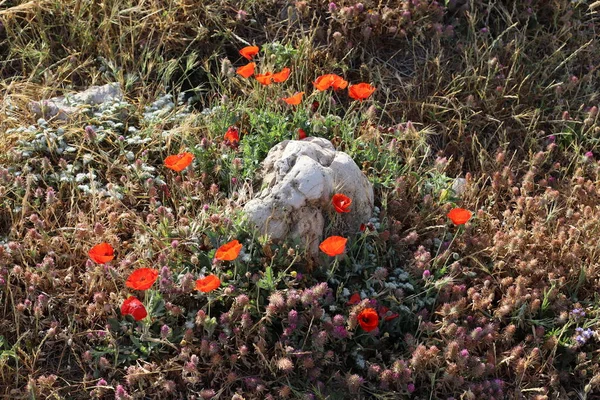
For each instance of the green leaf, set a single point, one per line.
(266, 282)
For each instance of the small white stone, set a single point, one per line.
(458, 186)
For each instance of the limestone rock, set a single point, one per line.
(299, 178)
(459, 186)
(64, 107)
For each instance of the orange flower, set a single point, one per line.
(208, 284)
(246, 71)
(229, 251)
(459, 216)
(294, 100)
(301, 134)
(327, 81)
(102, 253)
(281, 76)
(142, 278)
(132, 306)
(333, 245)
(360, 91)
(179, 162)
(249, 51)
(368, 319)
(341, 203)
(265, 79)
(232, 134)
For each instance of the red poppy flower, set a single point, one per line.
(142, 279)
(301, 134)
(282, 75)
(333, 245)
(354, 299)
(339, 83)
(179, 162)
(341, 203)
(229, 251)
(294, 100)
(102, 253)
(246, 71)
(386, 314)
(368, 319)
(360, 91)
(327, 81)
(249, 51)
(265, 79)
(232, 134)
(132, 306)
(208, 284)
(362, 227)
(459, 216)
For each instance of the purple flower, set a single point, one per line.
(339, 320)
(165, 331)
(583, 335)
(578, 313)
(293, 317)
(121, 393)
(340, 332)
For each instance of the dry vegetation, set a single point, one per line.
(501, 93)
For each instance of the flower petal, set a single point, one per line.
(101, 253)
(459, 216)
(232, 134)
(265, 79)
(132, 306)
(341, 203)
(179, 162)
(228, 251)
(249, 51)
(247, 70)
(142, 279)
(368, 319)
(208, 283)
(361, 91)
(282, 75)
(333, 245)
(295, 99)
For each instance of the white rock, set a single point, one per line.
(64, 107)
(299, 178)
(459, 186)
